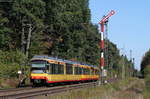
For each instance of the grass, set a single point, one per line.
(8, 83)
(98, 92)
(146, 94)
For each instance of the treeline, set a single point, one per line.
(59, 28)
(145, 64)
(145, 70)
(117, 64)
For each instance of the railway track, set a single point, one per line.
(14, 89)
(33, 92)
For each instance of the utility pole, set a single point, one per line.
(131, 55)
(102, 25)
(130, 68)
(123, 64)
(133, 67)
(123, 68)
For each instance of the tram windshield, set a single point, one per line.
(38, 66)
(38, 63)
(37, 71)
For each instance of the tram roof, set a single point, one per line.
(61, 60)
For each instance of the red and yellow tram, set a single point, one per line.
(48, 70)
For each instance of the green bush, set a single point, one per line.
(147, 83)
(147, 78)
(9, 70)
(7, 57)
(10, 62)
(147, 71)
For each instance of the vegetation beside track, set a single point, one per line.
(146, 92)
(98, 92)
(145, 69)
(10, 62)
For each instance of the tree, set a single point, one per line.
(145, 61)
(59, 28)
(4, 31)
(25, 19)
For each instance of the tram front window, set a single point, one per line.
(38, 67)
(38, 71)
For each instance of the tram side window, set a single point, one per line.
(88, 71)
(96, 72)
(49, 68)
(69, 69)
(78, 70)
(92, 71)
(84, 71)
(81, 70)
(56, 69)
(60, 69)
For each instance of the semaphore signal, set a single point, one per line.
(102, 24)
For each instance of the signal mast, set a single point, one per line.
(102, 26)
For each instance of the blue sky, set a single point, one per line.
(129, 28)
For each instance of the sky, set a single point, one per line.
(129, 27)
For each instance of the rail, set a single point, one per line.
(33, 92)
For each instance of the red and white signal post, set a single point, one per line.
(102, 28)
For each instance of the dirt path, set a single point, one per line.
(134, 92)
